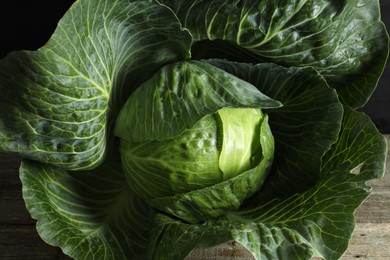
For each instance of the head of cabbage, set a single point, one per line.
(216, 158)
(146, 126)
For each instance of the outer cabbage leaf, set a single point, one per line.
(344, 40)
(90, 215)
(171, 233)
(304, 128)
(318, 222)
(59, 98)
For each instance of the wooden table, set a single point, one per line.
(19, 239)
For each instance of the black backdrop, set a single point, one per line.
(378, 108)
(28, 24)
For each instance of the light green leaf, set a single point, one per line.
(89, 215)
(60, 99)
(344, 40)
(164, 168)
(241, 148)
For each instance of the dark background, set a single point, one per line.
(29, 24)
(378, 108)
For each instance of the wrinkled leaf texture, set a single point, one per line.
(61, 99)
(89, 215)
(344, 40)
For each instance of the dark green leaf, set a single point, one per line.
(169, 233)
(344, 40)
(89, 215)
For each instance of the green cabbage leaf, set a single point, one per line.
(61, 99)
(343, 40)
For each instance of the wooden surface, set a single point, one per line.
(19, 239)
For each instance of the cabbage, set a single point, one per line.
(198, 165)
(147, 126)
